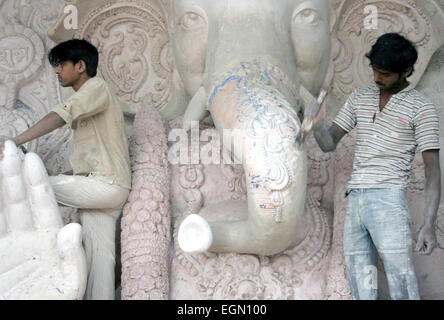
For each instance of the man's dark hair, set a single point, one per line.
(75, 50)
(394, 53)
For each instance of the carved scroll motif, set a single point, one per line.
(133, 43)
(355, 40)
(21, 56)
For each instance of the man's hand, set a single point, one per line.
(426, 240)
(312, 112)
(39, 258)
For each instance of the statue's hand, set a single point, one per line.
(3, 139)
(39, 258)
(426, 240)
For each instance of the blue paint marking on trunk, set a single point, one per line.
(216, 89)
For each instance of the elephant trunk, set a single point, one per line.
(256, 103)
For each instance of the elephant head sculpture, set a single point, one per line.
(252, 66)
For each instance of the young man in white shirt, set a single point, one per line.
(101, 181)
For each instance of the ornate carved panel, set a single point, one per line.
(133, 43)
(410, 18)
(133, 40)
(21, 57)
(30, 87)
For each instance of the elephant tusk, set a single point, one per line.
(194, 235)
(196, 109)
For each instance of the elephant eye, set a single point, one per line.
(307, 16)
(191, 21)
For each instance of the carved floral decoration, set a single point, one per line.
(133, 43)
(355, 40)
(21, 56)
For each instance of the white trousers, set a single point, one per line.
(99, 205)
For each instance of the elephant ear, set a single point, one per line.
(357, 24)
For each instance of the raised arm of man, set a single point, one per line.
(48, 124)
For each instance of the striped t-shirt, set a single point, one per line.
(386, 141)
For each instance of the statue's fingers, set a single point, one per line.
(73, 259)
(41, 196)
(2, 147)
(18, 212)
(11, 161)
(3, 228)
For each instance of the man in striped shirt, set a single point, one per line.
(392, 120)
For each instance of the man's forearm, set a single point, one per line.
(432, 186)
(325, 137)
(49, 123)
(432, 195)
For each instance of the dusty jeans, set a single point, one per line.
(379, 219)
(99, 205)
